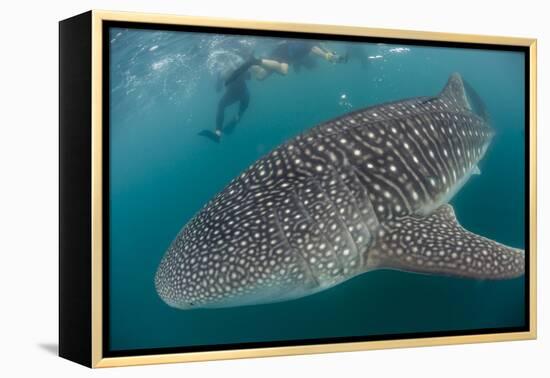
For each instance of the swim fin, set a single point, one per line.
(210, 135)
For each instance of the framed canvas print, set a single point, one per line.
(234, 189)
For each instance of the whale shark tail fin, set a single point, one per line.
(461, 93)
(437, 244)
(477, 104)
(455, 92)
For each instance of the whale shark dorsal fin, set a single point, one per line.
(454, 91)
(437, 244)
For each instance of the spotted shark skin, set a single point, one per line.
(367, 190)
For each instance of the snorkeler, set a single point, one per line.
(299, 53)
(236, 91)
(358, 52)
(296, 53)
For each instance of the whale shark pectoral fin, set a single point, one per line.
(476, 170)
(454, 91)
(437, 244)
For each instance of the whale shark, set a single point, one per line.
(366, 190)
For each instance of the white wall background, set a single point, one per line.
(29, 174)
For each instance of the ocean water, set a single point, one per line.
(162, 94)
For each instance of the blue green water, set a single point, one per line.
(162, 93)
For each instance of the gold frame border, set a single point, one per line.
(97, 206)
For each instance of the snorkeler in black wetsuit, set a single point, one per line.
(235, 91)
(296, 53)
(301, 53)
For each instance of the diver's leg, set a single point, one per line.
(219, 82)
(217, 133)
(243, 104)
(232, 94)
(220, 114)
(267, 66)
(273, 65)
